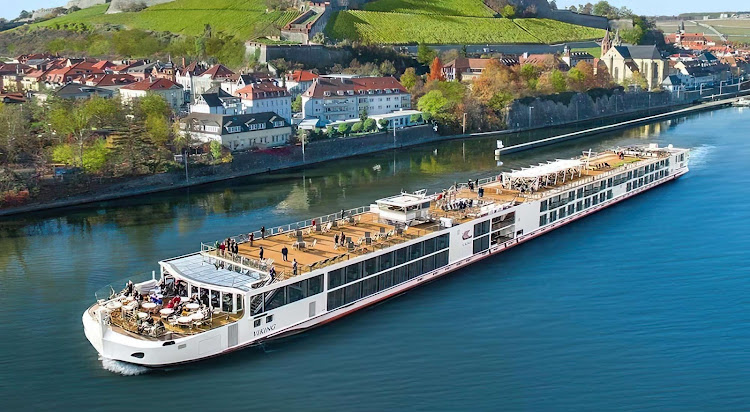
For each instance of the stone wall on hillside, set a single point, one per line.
(84, 4)
(117, 6)
(309, 55)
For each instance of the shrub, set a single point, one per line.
(369, 125)
(357, 127)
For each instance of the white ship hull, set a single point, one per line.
(310, 312)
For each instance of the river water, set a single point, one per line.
(641, 306)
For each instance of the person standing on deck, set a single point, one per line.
(260, 253)
(272, 273)
(251, 236)
(285, 254)
(294, 267)
(336, 239)
(262, 232)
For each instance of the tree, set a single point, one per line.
(344, 129)
(557, 81)
(409, 79)
(363, 114)
(74, 122)
(369, 125)
(500, 101)
(14, 132)
(576, 79)
(319, 38)
(425, 55)
(415, 118)
(297, 104)
(383, 123)
(586, 9)
(436, 70)
(303, 135)
(96, 156)
(387, 68)
(508, 12)
(634, 35)
(216, 149)
(433, 102)
(357, 127)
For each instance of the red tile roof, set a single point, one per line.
(111, 80)
(262, 90)
(153, 84)
(301, 76)
(358, 85)
(218, 71)
(463, 63)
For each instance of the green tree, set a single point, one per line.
(433, 102)
(576, 79)
(215, 147)
(425, 55)
(508, 12)
(383, 123)
(369, 125)
(357, 127)
(409, 79)
(557, 81)
(344, 129)
(297, 104)
(96, 156)
(500, 101)
(75, 122)
(363, 114)
(634, 35)
(415, 118)
(14, 132)
(387, 68)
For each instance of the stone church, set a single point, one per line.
(624, 60)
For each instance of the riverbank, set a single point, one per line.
(246, 164)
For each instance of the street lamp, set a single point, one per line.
(530, 107)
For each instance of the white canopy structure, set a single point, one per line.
(545, 174)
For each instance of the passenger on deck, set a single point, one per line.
(251, 237)
(260, 253)
(336, 239)
(294, 267)
(262, 232)
(129, 288)
(272, 273)
(285, 254)
(342, 238)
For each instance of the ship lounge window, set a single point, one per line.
(428, 264)
(335, 278)
(609, 194)
(385, 280)
(552, 216)
(429, 246)
(414, 269)
(370, 267)
(482, 228)
(353, 292)
(543, 206)
(442, 242)
(297, 291)
(353, 272)
(543, 220)
(400, 256)
(562, 212)
(579, 206)
(314, 285)
(335, 298)
(441, 259)
(386, 261)
(400, 275)
(278, 299)
(580, 193)
(482, 244)
(415, 251)
(369, 286)
(571, 209)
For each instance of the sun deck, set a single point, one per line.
(313, 245)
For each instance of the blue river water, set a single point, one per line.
(643, 306)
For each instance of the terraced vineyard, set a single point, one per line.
(469, 8)
(241, 18)
(402, 28)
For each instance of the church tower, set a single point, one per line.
(606, 43)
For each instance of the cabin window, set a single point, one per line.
(399, 275)
(335, 298)
(429, 246)
(227, 302)
(543, 206)
(353, 292)
(428, 264)
(353, 272)
(442, 242)
(481, 228)
(297, 291)
(441, 259)
(400, 256)
(415, 251)
(314, 285)
(414, 269)
(385, 280)
(370, 267)
(386, 261)
(239, 302)
(482, 244)
(369, 286)
(335, 278)
(543, 220)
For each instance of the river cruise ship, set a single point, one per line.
(227, 296)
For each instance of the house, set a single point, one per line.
(214, 76)
(688, 41)
(75, 91)
(672, 83)
(169, 90)
(464, 69)
(298, 81)
(266, 96)
(623, 61)
(10, 98)
(572, 58)
(238, 132)
(400, 119)
(164, 70)
(705, 71)
(543, 61)
(239, 81)
(11, 75)
(216, 101)
(332, 99)
(110, 81)
(70, 72)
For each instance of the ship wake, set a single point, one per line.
(122, 368)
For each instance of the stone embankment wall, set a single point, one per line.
(311, 56)
(568, 108)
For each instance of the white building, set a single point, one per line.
(266, 96)
(172, 92)
(298, 81)
(332, 99)
(216, 101)
(238, 132)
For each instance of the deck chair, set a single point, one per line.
(312, 245)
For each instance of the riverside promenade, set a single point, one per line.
(248, 164)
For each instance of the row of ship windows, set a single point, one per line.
(386, 261)
(385, 280)
(596, 187)
(647, 179)
(288, 294)
(573, 208)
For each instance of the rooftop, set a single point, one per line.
(327, 87)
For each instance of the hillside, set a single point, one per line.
(243, 19)
(413, 23)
